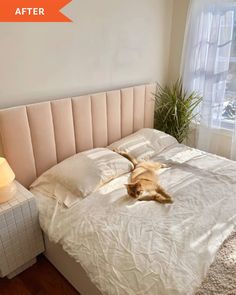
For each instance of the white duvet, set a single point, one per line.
(132, 247)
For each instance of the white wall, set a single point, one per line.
(180, 9)
(110, 44)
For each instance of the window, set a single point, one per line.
(210, 65)
(229, 107)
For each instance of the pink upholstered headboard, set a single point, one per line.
(36, 137)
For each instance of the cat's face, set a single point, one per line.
(134, 189)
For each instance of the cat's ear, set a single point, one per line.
(137, 184)
(130, 184)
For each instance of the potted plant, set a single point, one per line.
(175, 109)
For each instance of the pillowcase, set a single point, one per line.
(144, 143)
(81, 174)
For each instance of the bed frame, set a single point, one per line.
(38, 136)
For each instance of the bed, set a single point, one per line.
(118, 245)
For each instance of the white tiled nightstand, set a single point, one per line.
(21, 238)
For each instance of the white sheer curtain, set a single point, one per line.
(206, 59)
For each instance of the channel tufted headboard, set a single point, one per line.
(37, 136)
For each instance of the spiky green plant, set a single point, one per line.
(174, 109)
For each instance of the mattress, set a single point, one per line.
(132, 247)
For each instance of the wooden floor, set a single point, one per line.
(40, 279)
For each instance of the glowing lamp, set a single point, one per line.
(7, 186)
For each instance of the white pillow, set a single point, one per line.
(81, 174)
(144, 143)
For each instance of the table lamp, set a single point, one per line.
(7, 186)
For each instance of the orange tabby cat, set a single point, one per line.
(143, 181)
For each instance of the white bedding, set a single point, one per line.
(132, 247)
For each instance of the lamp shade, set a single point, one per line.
(6, 174)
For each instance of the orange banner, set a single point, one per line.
(33, 11)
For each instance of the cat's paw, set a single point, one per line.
(116, 150)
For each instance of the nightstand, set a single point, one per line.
(21, 238)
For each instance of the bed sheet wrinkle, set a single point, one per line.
(145, 248)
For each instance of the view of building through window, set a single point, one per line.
(229, 110)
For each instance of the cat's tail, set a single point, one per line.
(127, 156)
